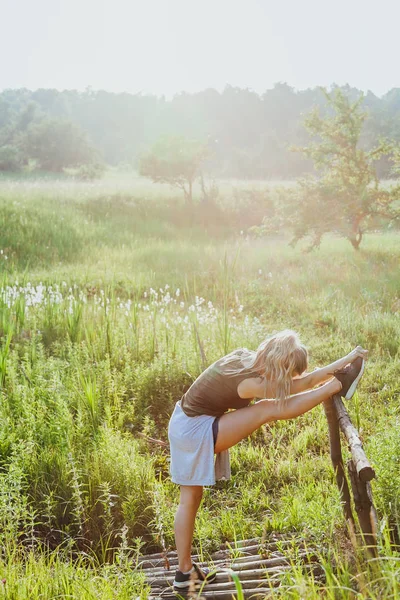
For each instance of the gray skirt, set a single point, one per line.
(192, 450)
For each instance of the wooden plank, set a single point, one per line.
(230, 584)
(265, 539)
(258, 575)
(235, 566)
(245, 574)
(244, 560)
(363, 467)
(254, 550)
(217, 595)
(238, 546)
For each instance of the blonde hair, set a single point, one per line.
(278, 357)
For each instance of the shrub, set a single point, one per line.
(89, 172)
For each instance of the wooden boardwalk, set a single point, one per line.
(259, 565)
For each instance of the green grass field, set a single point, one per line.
(105, 291)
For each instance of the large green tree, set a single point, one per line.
(346, 196)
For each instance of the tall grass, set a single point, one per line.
(99, 338)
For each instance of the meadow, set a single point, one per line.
(113, 297)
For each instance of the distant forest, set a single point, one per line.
(251, 135)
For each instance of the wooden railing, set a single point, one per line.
(360, 474)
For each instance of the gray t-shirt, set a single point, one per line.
(215, 391)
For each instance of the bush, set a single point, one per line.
(90, 172)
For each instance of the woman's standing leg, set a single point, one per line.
(184, 523)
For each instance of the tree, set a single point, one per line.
(177, 161)
(347, 197)
(15, 124)
(10, 159)
(253, 133)
(56, 144)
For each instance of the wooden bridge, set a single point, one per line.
(260, 564)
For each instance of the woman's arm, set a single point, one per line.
(309, 381)
(255, 387)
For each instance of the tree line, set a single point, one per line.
(249, 135)
(344, 194)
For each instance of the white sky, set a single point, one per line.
(166, 46)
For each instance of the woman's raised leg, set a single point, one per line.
(184, 523)
(236, 425)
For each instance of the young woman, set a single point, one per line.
(200, 425)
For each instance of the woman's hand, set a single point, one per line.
(310, 380)
(358, 351)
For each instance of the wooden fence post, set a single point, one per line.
(337, 460)
(360, 472)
